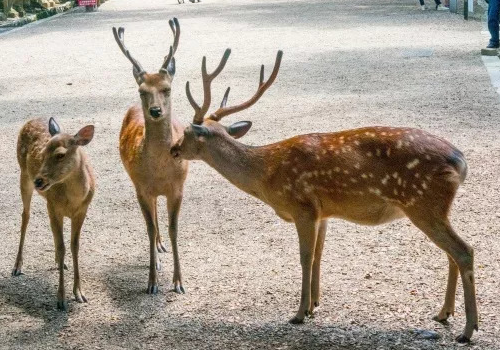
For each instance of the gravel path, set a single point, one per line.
(347, 63)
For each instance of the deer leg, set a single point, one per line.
(159, 245)
(159, 240)
(56, 224)
(56, 260)
(174, 207)
(315, 284)
(26, 194)
(442, 234)
(451, 289)
(148, 210)
(308, 231)
(76, 227)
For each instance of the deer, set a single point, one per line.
(147, 134)
(370, 176)
(54, 164)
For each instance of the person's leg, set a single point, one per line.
(493, 22)
(421, 2)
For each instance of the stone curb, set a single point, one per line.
(42, 14)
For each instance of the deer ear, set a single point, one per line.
(239, 129)
(84, 136)
(53, 127)
(200, 130)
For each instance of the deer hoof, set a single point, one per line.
(153, 288)
(179, 289)
(17, 272)
(62, 305)
(443, 321)
(80, 298)
(296, 320)
(462, 339)
(160, 247)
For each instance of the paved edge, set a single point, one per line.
(11, 29)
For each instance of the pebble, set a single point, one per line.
(426, 334)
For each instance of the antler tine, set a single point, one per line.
(193, 103)
(120, 40)
(168, 58)
(207, 81)
(224, 99)
(176, 30)
(263, 86)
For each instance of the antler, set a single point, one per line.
(119, 37)
(207, 81)
(263, 86)
(176, 30)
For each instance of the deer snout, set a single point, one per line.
(175, 151)
(40, 183)
(155, 112)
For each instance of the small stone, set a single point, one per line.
(426, 334)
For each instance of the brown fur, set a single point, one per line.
(368, 176)
(146, 137)
(144, 148)
(71, 187)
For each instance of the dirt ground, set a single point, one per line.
(346, 64)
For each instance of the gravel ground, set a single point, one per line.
(347, 63)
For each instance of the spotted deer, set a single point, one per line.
(54, 164)
(147, 134)
(369, 176)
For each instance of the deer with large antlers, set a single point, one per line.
(147, 134)
(56, 166)
(370, 176)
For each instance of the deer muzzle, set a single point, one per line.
(41, 184)
(155, 112)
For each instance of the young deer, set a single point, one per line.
(369, 176)
(53, 163)
(146, 137)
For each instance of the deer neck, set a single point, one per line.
(158, 133)
(242, 165)
(80, 181)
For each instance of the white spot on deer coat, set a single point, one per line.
(374, 190)
(385, 179)
(413, 163)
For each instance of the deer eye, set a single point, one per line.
(166, 92)
(60, 156)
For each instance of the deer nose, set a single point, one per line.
(155, 112)
(175, 151)
(38, 182)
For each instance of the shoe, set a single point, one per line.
(423, 8)
(440, 7)
(492, 46)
